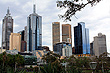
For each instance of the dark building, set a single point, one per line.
(22, 35)
(81, 39)
(91, 49)
(7, 29)
(73, 50)
(23, 46)
(23, 42)
(25, 33)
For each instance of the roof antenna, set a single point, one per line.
(34, 7)
(8, 11)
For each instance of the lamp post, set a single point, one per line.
(93, 65)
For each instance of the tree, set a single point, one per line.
(73, 6)
(51, 57)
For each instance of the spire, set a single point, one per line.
(34, 8)
(8, 11)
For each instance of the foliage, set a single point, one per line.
(73, 6)
(8, 61)
(51, 57)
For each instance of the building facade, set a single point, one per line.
(81, 39)
(22, 35)
(7, 29)
(23, 46)
(67, 50)
(91, 49)
(55, 32)
(15, 41)
(25, 33)
(34, 31)
(57, 48)
(66, 33)
(99, 44)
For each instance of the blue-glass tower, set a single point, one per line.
(81, 39)
(34, 31)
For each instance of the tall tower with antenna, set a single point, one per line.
(34, 31)
(7, 29)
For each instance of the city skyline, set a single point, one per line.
(94, 16)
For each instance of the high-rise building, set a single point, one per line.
(34, 31)
(7, 29)
(23, 42)
(66, 33)
(55, 32)
(99, 44)
(15, 41)
(81, 39)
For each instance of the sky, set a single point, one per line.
(97, 18)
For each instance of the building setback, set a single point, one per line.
(15, 41)
(55, 32)
(66, 33)
(34, 31)
(7, 29)
(99, 44)
(81, 39)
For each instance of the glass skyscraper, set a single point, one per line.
(81, 39)
(7, 29)
(34, 31)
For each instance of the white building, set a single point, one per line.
(67, 50)
(99, 44)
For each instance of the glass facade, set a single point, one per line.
(81, 39)
(7, 29)
(34, 31)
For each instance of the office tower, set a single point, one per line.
(7, 29)
(99, 44)
(34, 31)
(55, 32)
(25, 33)
(23, 42)
(66, 33)
(81, 39)
(15, 41)
(67, 50)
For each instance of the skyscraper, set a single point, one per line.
(66, 33)
(34, 31)
(81, 39)
(99, 44)
(7, 29)
(55, 32)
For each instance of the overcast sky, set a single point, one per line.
(97, 18)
